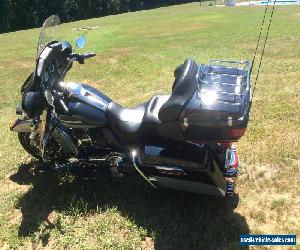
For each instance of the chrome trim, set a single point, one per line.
(22, 126)
(79, 91)
(170, 170)
(134, 154)
(82, 126)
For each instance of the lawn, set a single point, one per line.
(136, 55)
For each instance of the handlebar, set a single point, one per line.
(89, 55)
(81, 57)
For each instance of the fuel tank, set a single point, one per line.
(87, 106)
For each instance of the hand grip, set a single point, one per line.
(89, 55)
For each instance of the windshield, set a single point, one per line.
(48, 33)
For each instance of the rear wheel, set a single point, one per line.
(30, 142)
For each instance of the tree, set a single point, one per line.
(23, 14)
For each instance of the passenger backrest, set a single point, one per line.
(184, 88)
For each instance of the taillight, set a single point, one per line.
(237, 132)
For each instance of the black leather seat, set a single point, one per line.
(125, 121)
(136, 124)
(142, 123)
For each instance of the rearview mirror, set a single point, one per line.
(80, 42)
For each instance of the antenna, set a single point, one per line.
(264, 45)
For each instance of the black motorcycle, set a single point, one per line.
(181, 141)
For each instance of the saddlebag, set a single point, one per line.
(188, 168)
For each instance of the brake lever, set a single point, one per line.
(76, 57)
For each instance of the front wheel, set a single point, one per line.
(30, 142)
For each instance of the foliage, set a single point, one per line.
(24, 14)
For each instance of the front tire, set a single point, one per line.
(28, 145)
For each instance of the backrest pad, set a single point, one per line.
(184, 88)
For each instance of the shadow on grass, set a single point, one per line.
(179, 220)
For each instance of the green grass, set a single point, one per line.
(136, 55)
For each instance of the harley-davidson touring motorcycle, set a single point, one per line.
(181, 141)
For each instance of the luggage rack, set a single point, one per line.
(231, 79)
(225, 86)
